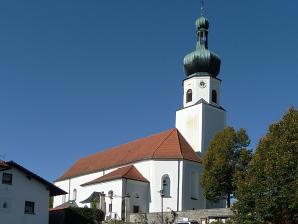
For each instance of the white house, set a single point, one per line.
(24, 196)
(162, 171)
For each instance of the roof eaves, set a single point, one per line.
(54, 190)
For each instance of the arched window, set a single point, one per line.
(74, 195)
(214, 96)
(110, 194)
(188, 96)
(166, 186)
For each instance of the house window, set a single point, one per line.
(136, 209)
(4, 205)
(29, 207)
(110, 208)
(74, 196)
(166, 186)
(194, 185)
(214, 96)
(7, 178)
(188, 96)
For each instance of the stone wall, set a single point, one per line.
(171, 217)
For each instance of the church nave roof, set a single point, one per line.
(165, 145)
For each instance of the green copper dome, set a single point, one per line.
(202, 23)
(202, 60)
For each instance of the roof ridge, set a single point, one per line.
(173, 129)
(116, 147)
(130, 167)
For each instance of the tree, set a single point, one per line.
(269, 191)
(224, 162)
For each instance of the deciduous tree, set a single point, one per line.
(269, 191)
(224, 162)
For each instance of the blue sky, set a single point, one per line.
(77, 77)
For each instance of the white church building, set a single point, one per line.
(162, 171)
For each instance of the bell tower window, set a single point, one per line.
(188, 96)
(214, 96)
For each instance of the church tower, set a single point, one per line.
(201, 116)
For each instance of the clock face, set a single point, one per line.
(203, 84)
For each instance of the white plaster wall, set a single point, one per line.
(21, 190)
(152, 170)
(160, 168)
(188, 203)
(75, 183)
(189, 122)
(214, 120)
(199, 92)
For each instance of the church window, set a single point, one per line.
(110, 194)
(214, 96)
(194, 185)
(166, 186)
(74, 194)
(136, 209)
(188, 96)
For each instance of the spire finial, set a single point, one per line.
(202, 7)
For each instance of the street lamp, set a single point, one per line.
(110, 195)
(162, 194)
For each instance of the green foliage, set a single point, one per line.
(225, 162)
(51, 202)
(217, 222)
(89, 215)
(269, 191)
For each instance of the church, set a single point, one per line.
(160, 172)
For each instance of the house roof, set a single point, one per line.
(169, 144)
(3, 166)
(54, 191)
(127, 172)
(94, 196)
(68, 204)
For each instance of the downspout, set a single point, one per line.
(178, 189)
(69, 189)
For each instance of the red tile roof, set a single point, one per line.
(127, 172)
(165, 145)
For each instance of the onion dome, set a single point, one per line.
(202, 60)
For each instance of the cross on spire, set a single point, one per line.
(202, 7)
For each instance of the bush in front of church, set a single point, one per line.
(76, 216)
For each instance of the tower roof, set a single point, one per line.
(202, 60)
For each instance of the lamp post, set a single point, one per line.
(162, 194)
(110, 195)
